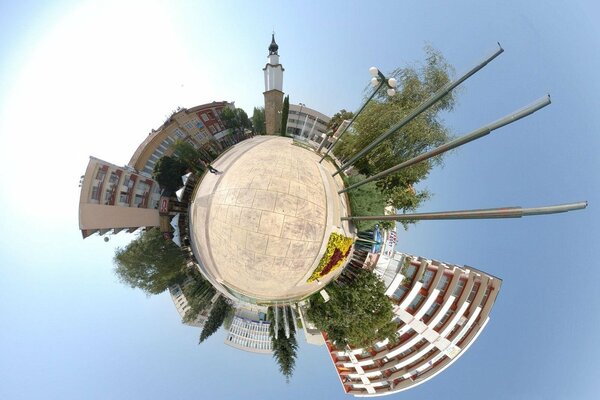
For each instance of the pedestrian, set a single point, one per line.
(210, 168)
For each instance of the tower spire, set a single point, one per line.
(273, 47)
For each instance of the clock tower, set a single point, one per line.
(273, 89)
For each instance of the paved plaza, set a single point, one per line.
(261, 226)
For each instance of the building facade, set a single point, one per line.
(114, 198)
(249, 331)
(273, 93)
(200, 126)
(306, 122)
(440, 310)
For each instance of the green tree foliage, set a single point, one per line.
(215, 319)
(357, 314)
(284, 348)
(367, 200)
(150, 263)
(168, 171)
(415, 85)
(244, 121)
(338, 118)
(198, 292)
(189, 156)
(228, 117)
(235, 119)
(284, 115)
(258, 120)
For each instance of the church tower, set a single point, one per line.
(273, 89)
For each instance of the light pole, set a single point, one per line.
(379, 80)
(298, 119)
(444, 90)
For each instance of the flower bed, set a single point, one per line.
(338, 248)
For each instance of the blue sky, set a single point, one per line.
(93, 78)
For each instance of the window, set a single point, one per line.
(100, 175)
(204, 117)
(444, 318)
(410, 271)
(485, 296)
(189, 125)
(107, 195)
(179, 133)
(443, 281)
(399, 293)
(95, 193)
(432, 309)
(417, 301)
(473, 292)
(459, 288)
(123, 197)
(138, 200)
(427, 277)
(143, 186)
(113, 178)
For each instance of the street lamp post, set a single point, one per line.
(298, 119)
(444, 90)
(378, 80)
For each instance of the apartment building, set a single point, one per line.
(440, 309)
(115, 198)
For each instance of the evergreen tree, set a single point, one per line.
(215, 319)
(198, 293)
(284, 115)
(284, 348)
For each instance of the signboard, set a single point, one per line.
(163, 205)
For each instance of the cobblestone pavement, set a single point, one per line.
(261, 225)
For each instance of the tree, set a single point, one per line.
(198, 294)
(284, 115)
(357, 314)
(215, 319)
(228, 116)
(338, 118)
(168, 171)
(258, 120)
(416, 84)
(189, 156)
(237, 120)
(150, 263)
(284, 348)
(244, 121)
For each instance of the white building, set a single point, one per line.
(440, 310)
(249, 331)
(306, 122)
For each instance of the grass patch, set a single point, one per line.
(303, 145)
(364, 200)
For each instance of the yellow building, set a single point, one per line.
(201, 126)
(114, 198)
